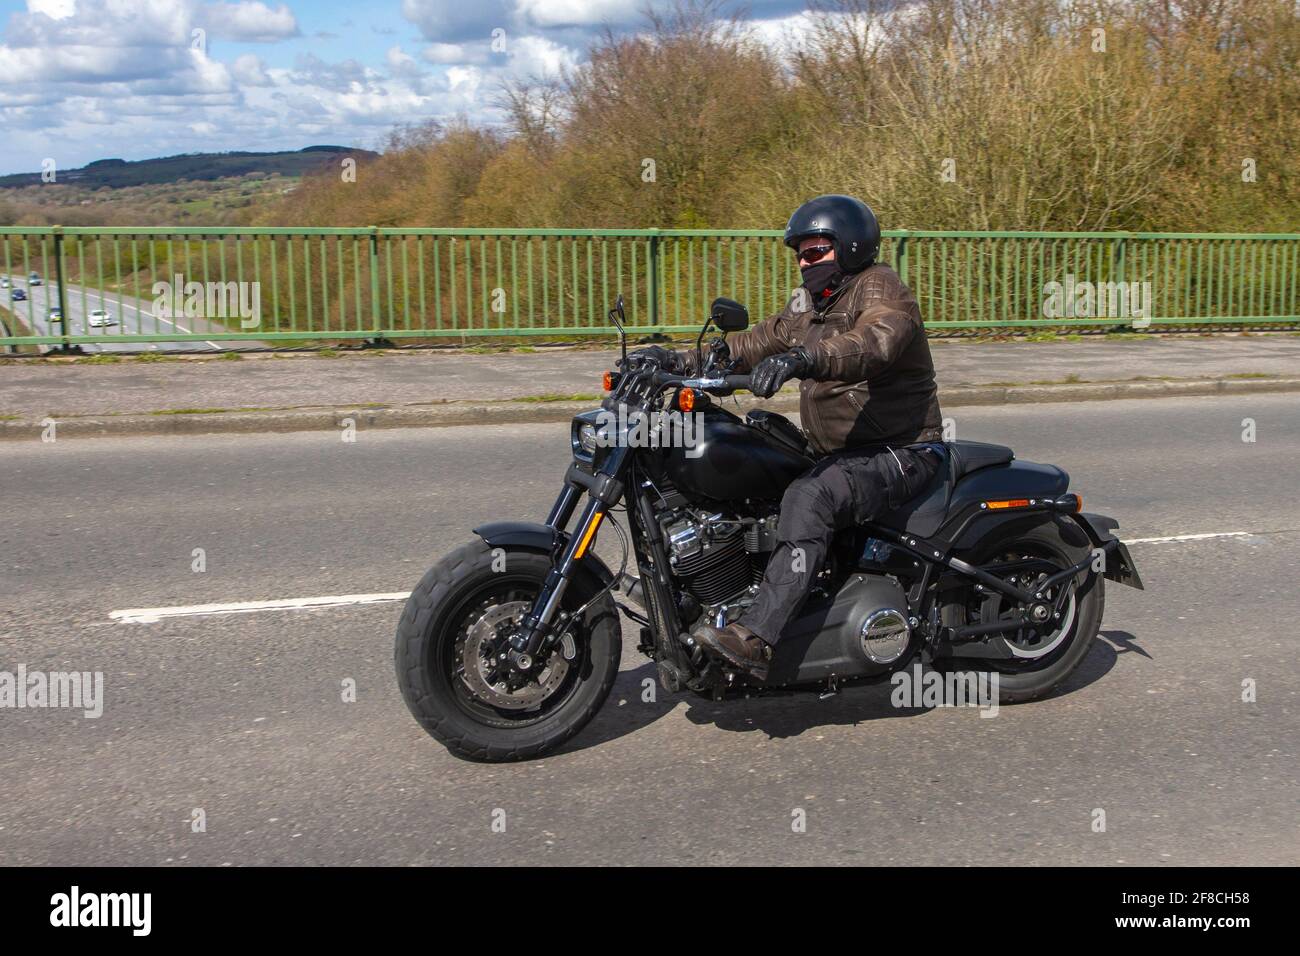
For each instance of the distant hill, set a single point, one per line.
(199, 167)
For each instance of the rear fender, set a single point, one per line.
(1119, 566)
(968, 522)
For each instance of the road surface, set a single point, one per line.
(242, 715)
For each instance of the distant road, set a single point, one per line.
(132, 315)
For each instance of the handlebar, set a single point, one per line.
(710, 382)
(718, 385)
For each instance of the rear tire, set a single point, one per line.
(1061, 543)
(430, 640)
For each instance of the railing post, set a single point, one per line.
(1121, 241)
(653, 304)
(377, 341)
(902, 254)
(67, 348)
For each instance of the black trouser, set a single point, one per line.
(843, 489)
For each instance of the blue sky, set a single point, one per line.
(88, 79)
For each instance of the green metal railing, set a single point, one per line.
(395, 284)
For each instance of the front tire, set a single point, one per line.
(447, 613)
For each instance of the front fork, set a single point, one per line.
(604, 490)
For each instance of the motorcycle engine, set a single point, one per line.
(719, 559)
(707, 552)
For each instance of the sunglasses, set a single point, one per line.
(814, 253)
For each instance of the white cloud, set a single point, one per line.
(464, 80)
(402, 64)
(452, 21)
(249, 70)
(397, 60)
(250, 21)
(587, 13)
(538, 56)
(103, 23)
(450, 53)
(36, 66)
(784, 33)
(54, 9)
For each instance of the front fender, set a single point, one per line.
(541, 538)
(520, 534)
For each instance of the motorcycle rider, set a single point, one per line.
(869, 405)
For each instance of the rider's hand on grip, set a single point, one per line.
(775, 370)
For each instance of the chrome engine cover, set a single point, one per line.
(885, 635)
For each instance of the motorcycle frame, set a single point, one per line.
(619, 479)
(934, 556)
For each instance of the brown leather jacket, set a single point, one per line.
(872, 380)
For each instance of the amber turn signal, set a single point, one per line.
(589, 534)
(686, 400)
(607, 382)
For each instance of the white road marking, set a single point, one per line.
(152, 615)
(1190, 537)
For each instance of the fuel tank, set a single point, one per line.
(732, 460)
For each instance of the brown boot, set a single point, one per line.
(738, 646)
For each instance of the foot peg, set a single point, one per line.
(671, 678)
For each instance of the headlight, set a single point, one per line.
(582, 437)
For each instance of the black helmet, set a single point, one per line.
(849, 223)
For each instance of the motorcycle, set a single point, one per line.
(509, 645)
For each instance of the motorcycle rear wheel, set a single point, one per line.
(440, 638)
(1043, 661)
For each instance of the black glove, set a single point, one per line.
(669, 361)
(775, 370)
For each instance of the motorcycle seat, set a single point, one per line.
(924, 514)
(968, 456)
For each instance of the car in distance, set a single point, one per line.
(54, 315)
(18, 295)
(99, 318)
(34, 279)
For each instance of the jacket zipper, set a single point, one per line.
(815, 432)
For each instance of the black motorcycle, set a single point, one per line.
(510, 644)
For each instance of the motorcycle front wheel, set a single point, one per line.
(449, 641)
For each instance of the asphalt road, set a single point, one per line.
(132, 315)
(242, 715)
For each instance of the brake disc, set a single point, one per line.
(483, 670)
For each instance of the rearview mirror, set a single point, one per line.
(729, 315)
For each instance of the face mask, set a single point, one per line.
(821, 279)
